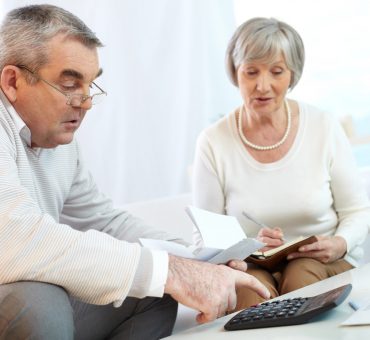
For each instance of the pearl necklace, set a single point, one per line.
(268, 147)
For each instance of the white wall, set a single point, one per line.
(336, 37)
(163, 64)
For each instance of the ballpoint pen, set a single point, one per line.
(249, 217)
(262, 225)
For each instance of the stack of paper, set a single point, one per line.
(223, 236)
(362, 314)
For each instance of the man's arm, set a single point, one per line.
(206, 287)
(86, 207)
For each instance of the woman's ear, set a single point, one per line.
(8, 81)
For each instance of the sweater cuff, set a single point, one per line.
(151, 274)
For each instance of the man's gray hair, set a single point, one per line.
(26, 31)
(264, 39)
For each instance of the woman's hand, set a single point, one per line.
(326, 250)
(271, 237)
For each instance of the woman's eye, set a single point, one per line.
(277, 72)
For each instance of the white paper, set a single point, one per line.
(170, 247)
(361, 316)
(218, 231)
(222, 234)
(238, 251)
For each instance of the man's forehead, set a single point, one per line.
(68, 56)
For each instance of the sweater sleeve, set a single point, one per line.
(350, 198)
(92, 266)
(206, 186)
(87, 208)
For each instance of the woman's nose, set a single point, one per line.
(263, 83)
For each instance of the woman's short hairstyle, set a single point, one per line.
(264, 39)
(25, 32)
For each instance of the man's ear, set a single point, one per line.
(8, 80)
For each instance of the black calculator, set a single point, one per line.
(289, 311)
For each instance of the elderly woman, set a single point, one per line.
(284, 162)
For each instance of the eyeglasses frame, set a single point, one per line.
(69, 96)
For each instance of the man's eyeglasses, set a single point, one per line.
(73, 99)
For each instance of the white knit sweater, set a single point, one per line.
(55, 226)
(314, 189)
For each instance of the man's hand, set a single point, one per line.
(326, 250)
(238, 265)
(207, 287)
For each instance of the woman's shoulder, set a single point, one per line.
(220, 129)
(317, 116)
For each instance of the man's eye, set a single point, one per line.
(69, 88)
(251, 73)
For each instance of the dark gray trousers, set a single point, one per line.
(34, 310)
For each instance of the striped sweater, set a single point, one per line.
(56, 227)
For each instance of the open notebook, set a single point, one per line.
(273, 258)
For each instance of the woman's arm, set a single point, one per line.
(206, 185)
(349, 199)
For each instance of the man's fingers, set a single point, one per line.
(246, 280)
(201, 318)
(222, 308)
(238, 265)
(232, 302)
(204, 317)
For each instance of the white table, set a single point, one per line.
(325, 327)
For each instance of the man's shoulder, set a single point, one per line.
(7, 129)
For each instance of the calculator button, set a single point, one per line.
(280, 314)
(287, 312)
(257, 317)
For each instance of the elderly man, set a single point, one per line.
(70, 264)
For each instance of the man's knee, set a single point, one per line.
(157, 314)
(165, 310)
(35, 310)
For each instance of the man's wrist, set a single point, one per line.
(151, 274)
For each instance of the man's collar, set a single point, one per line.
(21, 126)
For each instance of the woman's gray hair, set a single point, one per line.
(264, 39)
(26, 31)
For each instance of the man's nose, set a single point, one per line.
(83, 103)
(86, 104)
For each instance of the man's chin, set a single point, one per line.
(66, 140)
(63, 140)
